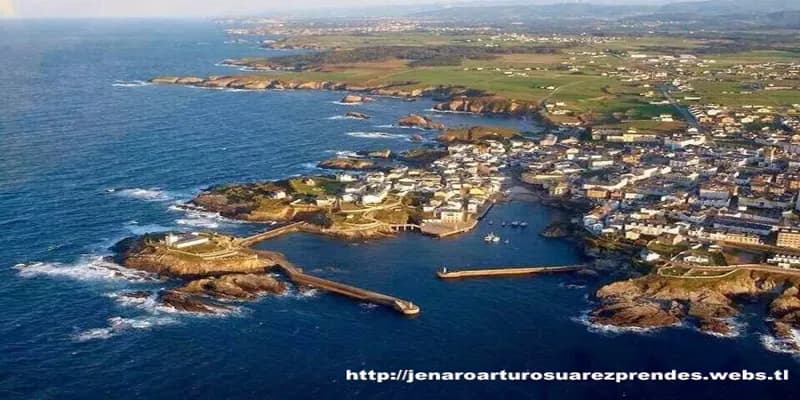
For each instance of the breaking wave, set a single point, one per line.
(344, 153)
(88, 268)
(610, 330)
(136, 229)
(779, 345)
(376, 135)
(134, 83)
(294, 293)
(337, 117)
(117, 325)
(152, 194)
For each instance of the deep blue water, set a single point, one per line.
(87, 157)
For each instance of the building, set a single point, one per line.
(452, 215)
(789, 238)
(184, 240)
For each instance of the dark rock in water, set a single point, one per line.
(235, 286)
(419, 121)
(421, 156)
(556, 230)
(139, 294)
(385, 153)
(357, 115)
(346, 163)
(355, 99)
(636, 314)
(188, 303)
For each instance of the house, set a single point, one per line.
(184, 240)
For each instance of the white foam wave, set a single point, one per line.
(347, 104)
(198, 222)
(309, 166)
(89, 268)
(134, 83)
(153, 306)
(152, 194)
(202, 219)
(376, 135)
(780, 345)
(338, 117)
(610, 330)
(737, 329)
(305, 293)
(117, 325)
(136, 229)
(572, 286)
(344, 153)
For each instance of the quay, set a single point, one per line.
(272, 233)
(296, 275)
(444, 273)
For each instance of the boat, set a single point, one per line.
(523, 224)
(503, 224)
(491, 238)
(514, 224)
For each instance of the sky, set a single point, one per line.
(208, 8)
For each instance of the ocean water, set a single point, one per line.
(90, 154)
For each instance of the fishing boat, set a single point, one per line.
(491, 238)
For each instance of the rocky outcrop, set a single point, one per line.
(347, 163)
(188, 303)
(477, 133)
(557, 230)
(354, 99)
(242, 202)
(234, 286)
(356, 115)
(785, 314)
(419, 121)
(487, 105)
(658, 301)
(384, 153)
(423, 156)
(145, 254)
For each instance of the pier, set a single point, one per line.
(272, 233)
(405, 227)
(444, 273)
(297, 276)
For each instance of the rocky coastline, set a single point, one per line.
(231, 274)
(710, 303)
(452, 98)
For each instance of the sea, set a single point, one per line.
(90, 153)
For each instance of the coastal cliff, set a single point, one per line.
(146, 254)
(220, 270)
(655, 301)
(487, 105)
(454, 98)
(477, 133)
